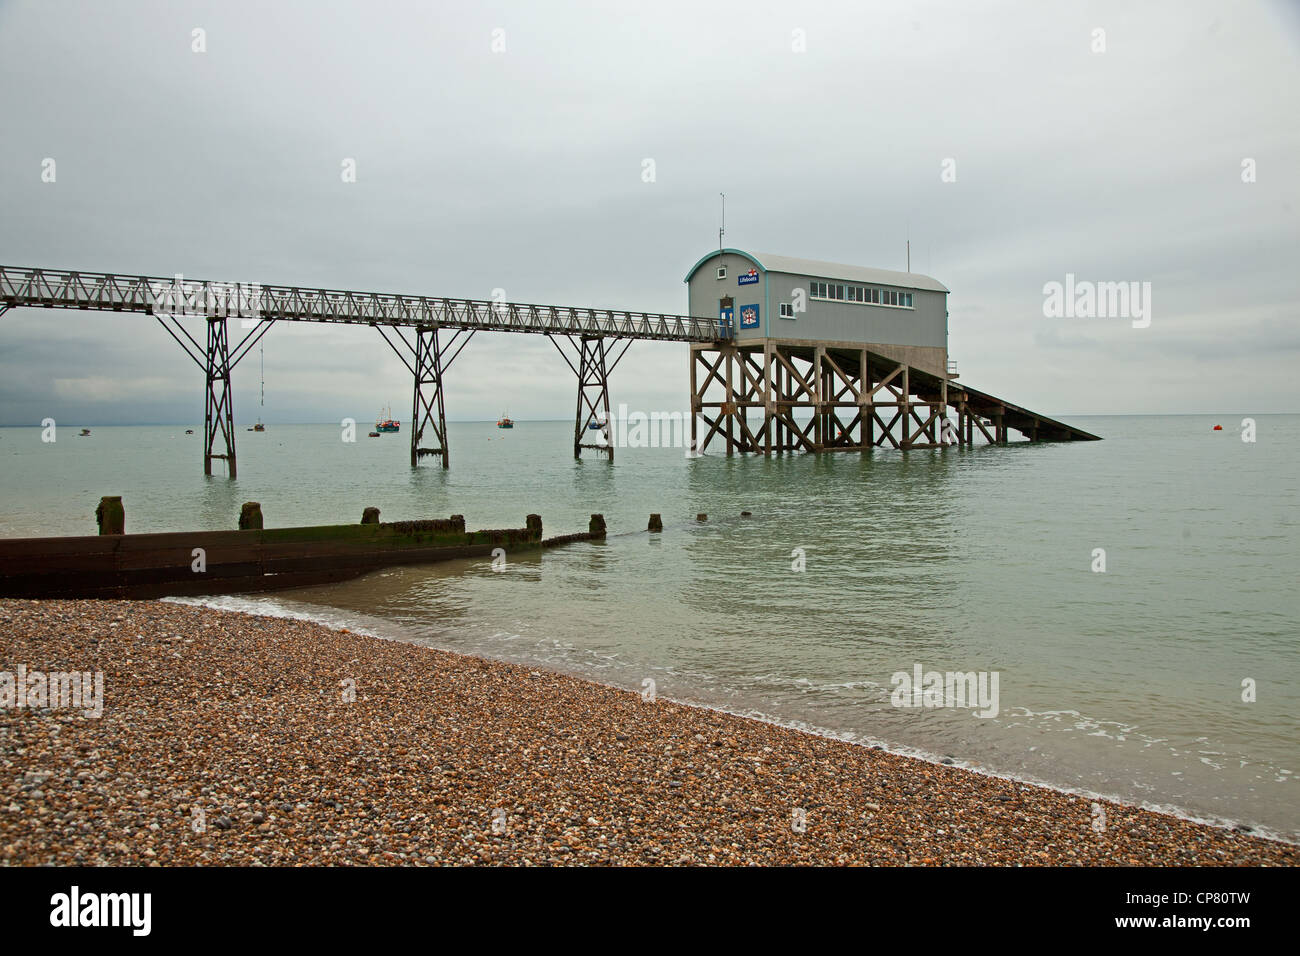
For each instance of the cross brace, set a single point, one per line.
(429, 362)
(816, 398)
(593, 369)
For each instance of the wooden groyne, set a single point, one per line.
(182, 563)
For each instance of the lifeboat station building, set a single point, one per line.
(820, 356)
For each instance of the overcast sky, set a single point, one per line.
(827, 126)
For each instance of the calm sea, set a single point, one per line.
(1127, 683)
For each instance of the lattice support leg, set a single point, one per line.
(218, 413)
(428, 411)
(593, 398)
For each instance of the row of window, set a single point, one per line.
(857, 293)
(836, 292)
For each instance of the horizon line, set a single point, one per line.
(492, 421)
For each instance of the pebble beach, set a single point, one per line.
(229, 739)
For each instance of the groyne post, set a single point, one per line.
(111, 515)
(250, 516)
(370, 516)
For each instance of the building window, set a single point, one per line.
(856, 293)
(787, 310)
(722, 272)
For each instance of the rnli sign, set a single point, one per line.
(749, 316)
(747, 278)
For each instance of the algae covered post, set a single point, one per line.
(111, 515)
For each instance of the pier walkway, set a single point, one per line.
(429, 332)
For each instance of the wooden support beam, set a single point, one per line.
(767, 398)
(886, 431)
(730, 354)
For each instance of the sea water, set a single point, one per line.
(1167, 679)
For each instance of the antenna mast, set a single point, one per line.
(722, 229)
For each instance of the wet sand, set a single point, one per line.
(230, 739)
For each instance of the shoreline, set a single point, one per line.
(226, 738)
(347, 620)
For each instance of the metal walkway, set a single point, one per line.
(582, 331)
(59, 289)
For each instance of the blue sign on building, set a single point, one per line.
(749, 316)
(747, 278)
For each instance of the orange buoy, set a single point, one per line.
(1218, 428)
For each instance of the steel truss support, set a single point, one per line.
(219, 411)
(428, 409)
(217, 363)
(429, 362)
(593, 368)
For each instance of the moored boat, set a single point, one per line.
(386, 423)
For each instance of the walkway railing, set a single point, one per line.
(58, 289)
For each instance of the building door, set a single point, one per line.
(726, 316)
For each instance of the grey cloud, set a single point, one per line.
(522, 171)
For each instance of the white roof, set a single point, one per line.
(835, 270)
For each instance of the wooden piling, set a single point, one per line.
(111, 515)
(250, 516)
